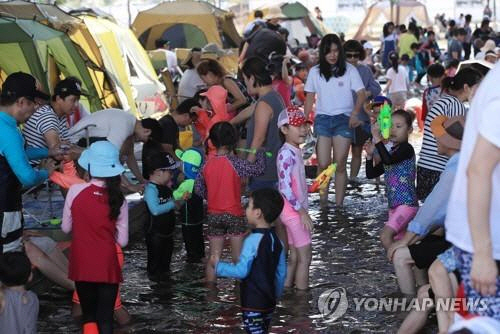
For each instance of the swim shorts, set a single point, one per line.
(399, 218)
(221, 225)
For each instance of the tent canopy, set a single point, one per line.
(76, 30)
(186, 24)
(46, 53)
(380, 13)
(125, 59)
(295, 17)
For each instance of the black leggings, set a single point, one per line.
(98, 302)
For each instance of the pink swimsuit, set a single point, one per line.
(293, 187)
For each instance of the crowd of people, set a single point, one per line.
(240, 174)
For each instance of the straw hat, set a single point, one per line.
(274, 13)
(489, 45)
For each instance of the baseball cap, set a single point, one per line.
(292, 115)
(380, 99)
(22, 84)
(368, 45)
(162, 161)
(449, 130)
(68, 87)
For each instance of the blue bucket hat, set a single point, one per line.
(101, 159)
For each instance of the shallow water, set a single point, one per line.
(346, 253)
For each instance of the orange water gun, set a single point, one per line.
(322, 180)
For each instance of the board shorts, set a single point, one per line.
(298, 235)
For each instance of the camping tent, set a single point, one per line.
(382, 12)
(126, 61)
(56, 18)
(47, 54)
(186, 24)
(296, 18)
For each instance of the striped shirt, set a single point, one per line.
(449, 106)
(42, 121)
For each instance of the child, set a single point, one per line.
(262, 266)
(219, 182)
(452, 67)
(161, 206)
(397, 82)
(435, 75)
(292, 185)
(398, 165)
(97, 213)
(192, 214)
(18, 307)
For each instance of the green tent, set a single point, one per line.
(47, 54)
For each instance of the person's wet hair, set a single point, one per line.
(223, 134)
(269, 201)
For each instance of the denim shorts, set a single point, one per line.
(331, 126)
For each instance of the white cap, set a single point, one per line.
(368, 45)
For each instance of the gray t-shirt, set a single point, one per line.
(273, 141)
(20, 312)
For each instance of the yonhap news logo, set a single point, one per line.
(333, 304)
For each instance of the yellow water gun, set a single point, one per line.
(384, 120)
(322, 180)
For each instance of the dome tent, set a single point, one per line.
(186, 24)
(384, 11)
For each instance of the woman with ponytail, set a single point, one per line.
(332, 83)
(97, 214)
(456, 90)
(397, 82)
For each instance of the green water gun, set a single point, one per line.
(384, 120)
(253, 151)
(186, 187)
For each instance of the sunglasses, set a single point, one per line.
(352, 55)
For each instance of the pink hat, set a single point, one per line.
(292, 115)
(217, 96)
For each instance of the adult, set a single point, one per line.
(258, 20)
(332, 82)
(406, 39)
(456, 91)
(120, 128)
(190, 81)
(18, 101)
(355, 54)
(182, 116)
(432, 46)
(482, 33)
(389, 40)
(455, 45)
(212, 73)
(473, 219)
(468, 38)
(262, 126)
(163, 46)
(397, 82)
(47, 127)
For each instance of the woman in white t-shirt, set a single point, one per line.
(332, 82)
(397, 82)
